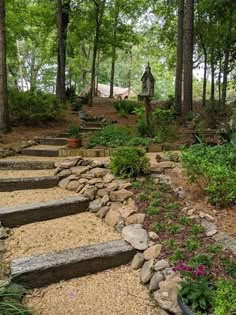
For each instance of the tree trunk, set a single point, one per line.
(179, 65)
(205, 77)
(129, 72)
(4, 114)
(219, 82)
(212, 76)
(113, 61)
(99, 14)
(188, 60)
(226, 61)
(62, 24)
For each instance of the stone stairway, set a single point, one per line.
(45, 267)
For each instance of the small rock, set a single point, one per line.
(125, 185)
(119, 227)
(64, 173)
(137, 218)
(161, 264)
(113, 218)
(3, 233)
(90, 193)
(102, 212)
(136, 236)
(95, 205)
(108, 178)
(120, 195)
(166, 164)
(206, 216)
(166, 297)
(79, 170)
(105, 200)
(152, 252)
(102, 192)
(155, 281)
(146, 271)
(126, 211)
(137, 261)
(83, 181)
(68, 163)
(181, 194)
(191, 211)
(112, 187)
(79, 188)
(116, 205)
(210, 228)
(153, 236)
(94, 181)
(132, 204)
(160, 311)
(73, 185)
(99, 185)
(168, 272)
(99, 172)
(65, 182)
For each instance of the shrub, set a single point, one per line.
(33, 107)
(143, 129)
(214, 168)
(125, 107)
(110, 136)
(129, 162)
(138, 141)
(225, 298)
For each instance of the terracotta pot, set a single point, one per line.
(74, 143)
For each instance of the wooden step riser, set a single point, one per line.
(25, 214)
(43, 270)
(25, 165)
(35, 152)
(12, 184)
(52, 141)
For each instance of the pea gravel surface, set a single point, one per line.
(58, 234)
(113, 292)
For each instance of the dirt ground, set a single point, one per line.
(112, 292)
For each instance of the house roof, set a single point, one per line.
(105, 89)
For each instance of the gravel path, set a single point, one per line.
(113, 292)
(25, 173)
(20, 197)
(58, 234)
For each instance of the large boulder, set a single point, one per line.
(136, 236)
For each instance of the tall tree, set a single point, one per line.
(179, 64)
(188, 59)
(99, 6)
(4, 116)
(63, 9)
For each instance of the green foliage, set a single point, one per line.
(174, 228)
(76, 104)
(185, 220)
(164, 122)
(214, 249)
(172, 206)
(10, 300)
(192, 244)
(196, 229)
(230, 267)
(136, 185)
(125, 107)
(156, 203)
(129, 162)
(225, 298)
(74, 131)
(110, 136)
(143, 129)
(155, 194)
(177, 255)
(217, 166)
(143, 197)
(33, 107)
(138, 141)
(171, 244)
(157, 227)
(201, 259)
(164, 187)
(152, 210)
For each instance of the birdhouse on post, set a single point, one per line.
(148, 82)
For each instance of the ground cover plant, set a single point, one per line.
(211, 269)
(214, 169)
(115, 136)
(126, 107)
(129, 162)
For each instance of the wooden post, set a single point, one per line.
(147, 104)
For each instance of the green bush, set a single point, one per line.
(214, 168)
(33, 107)
(138, 141)
(110, 136)
(129, 162)
(125, 107)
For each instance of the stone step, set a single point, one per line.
(43, 182)
(25, 165)
(43, 270)
(42, 150)
(53, 141)
(95, 124)
(42, 211)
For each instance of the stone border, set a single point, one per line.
(12, 184)
(35, 212)
(42, 270)
(25, 165)
(16, 149)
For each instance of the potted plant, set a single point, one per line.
(74, 140)
(196, 294)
